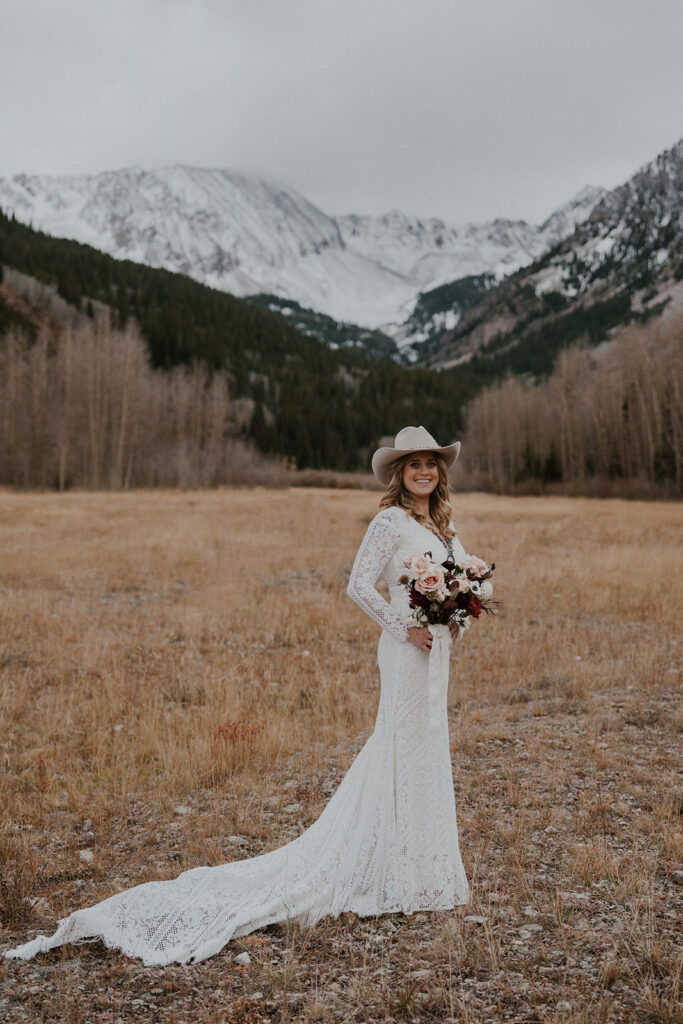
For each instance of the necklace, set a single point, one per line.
(448, 544)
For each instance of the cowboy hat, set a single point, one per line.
(410, 439)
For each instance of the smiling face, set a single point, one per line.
(420, 475)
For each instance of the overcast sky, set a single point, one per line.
(464, 109)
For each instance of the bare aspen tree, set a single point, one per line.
(84, 408)
(217, 408)
(615, 416)
(125, 397)
(39, 427)
(63, 421)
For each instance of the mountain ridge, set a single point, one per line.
(624, 263)
(247, 235)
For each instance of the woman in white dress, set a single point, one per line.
(387, 841)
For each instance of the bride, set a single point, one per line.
(387, 841)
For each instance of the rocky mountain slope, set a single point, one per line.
(246, 236)
(624, 263)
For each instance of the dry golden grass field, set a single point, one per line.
(184, 681)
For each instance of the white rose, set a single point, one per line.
(486, 590)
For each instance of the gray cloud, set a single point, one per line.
(463, 109)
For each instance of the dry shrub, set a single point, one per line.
(242, 1011)
(234, 746)
(17, 882)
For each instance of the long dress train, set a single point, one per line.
(386, 842)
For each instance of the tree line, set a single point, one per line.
(88, 410)
(611, 415)
(320, 407)
(83, 406)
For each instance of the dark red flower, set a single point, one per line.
(418, 600)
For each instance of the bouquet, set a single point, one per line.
(441, 592)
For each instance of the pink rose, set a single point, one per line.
(419, 565)
(476, 565)
(430, 584)
(463, 584)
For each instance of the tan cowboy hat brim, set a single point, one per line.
(410, 439)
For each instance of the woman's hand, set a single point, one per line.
(421, 637)
(455, 630)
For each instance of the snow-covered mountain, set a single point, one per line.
(622, 263)
(247, 236)
(634, 232)
(430, 253)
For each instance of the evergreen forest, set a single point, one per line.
(318, 406)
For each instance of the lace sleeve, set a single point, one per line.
(379, 544)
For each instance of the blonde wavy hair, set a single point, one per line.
(440, 508)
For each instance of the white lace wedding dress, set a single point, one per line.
(386, 842)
